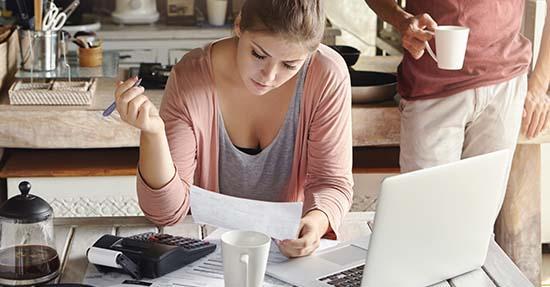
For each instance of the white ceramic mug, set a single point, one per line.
(216, 10)
(244, 256)
(450, 42)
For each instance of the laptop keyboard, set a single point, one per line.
(347, 278)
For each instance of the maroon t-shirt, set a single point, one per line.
(496, 50)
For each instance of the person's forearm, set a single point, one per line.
(541, 74)
(320, 219)
(389, 11)
(155, 160)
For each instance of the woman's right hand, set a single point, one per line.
(136, 109)
(415, 31)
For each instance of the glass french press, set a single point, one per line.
(27, 244)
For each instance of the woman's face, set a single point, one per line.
(266, 61)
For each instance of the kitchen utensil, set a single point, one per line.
(369, 87)
(71, 8)
(24, 17)
(64, 53)
(38, 15)
(80, 43)
(86, 37)
(91, 56)
(366, 87)
(109, 110)
(27, 245)
(350, 54)
(54, 19)
(135, 12)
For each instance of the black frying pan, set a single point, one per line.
(366, 86)
(350, 54)
(369, 87)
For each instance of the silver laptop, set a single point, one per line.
(430, 225)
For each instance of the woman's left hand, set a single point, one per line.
(312, 227)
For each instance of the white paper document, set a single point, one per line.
(279, 220)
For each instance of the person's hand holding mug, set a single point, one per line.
(451, 41)
(415, 32)
(136, 109)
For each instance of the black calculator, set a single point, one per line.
(156, 254)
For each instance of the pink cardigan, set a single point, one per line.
(321, 174)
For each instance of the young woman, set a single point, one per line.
(263, 115)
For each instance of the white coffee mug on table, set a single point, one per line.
(244, 255)
(450, 43)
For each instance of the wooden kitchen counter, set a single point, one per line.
(85, 127)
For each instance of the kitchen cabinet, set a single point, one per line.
(156, 43)
(166, 44)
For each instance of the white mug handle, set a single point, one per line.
(430, 51)
(244, 259)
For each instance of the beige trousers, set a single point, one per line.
(470, 123)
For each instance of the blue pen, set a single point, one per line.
(109, 110)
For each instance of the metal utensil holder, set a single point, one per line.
(39, 50)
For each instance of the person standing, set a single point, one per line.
(448, 115)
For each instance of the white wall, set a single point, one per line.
(357, 23)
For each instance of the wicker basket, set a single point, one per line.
(55, 93)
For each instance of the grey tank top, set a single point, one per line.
(265, 175)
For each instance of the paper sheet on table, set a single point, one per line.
(279, 220)
(275, 256)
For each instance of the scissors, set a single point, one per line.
(55, 19)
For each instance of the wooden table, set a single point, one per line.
(518, 229)
(74, 236)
